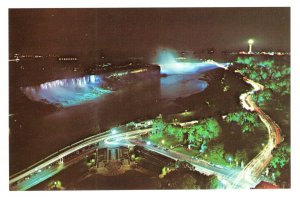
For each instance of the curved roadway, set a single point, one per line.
(250, 175)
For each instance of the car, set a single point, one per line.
(218, 166)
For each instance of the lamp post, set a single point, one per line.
(250, 42)
(230, 160)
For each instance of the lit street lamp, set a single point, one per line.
(230, 160)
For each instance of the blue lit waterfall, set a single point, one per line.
(67, 92)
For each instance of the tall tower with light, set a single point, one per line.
(250, 42)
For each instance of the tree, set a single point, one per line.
(158, 126)
(262, 97)
(178, 134)
(206, 129)
(281, 156)
(191, 136)
(267, 64)
(246, 120)
(199, 131)
(212, 127)
(247, 60)
(216, 154)
(171, 130)
(280, 165)
(214, 182)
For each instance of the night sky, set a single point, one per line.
(139, 32)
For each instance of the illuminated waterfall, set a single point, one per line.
(67, 92)
(170, 63)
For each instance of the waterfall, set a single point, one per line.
(170, 63)
(67, 92)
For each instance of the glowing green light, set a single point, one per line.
(250, 41)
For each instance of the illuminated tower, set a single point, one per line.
(250, 42)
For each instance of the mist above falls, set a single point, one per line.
(171, 63)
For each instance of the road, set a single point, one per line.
(252, 171)
(225, 174)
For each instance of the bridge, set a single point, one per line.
(55, 163)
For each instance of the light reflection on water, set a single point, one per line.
(174, 86)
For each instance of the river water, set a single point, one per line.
(38, 135)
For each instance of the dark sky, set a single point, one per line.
(141, 31)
